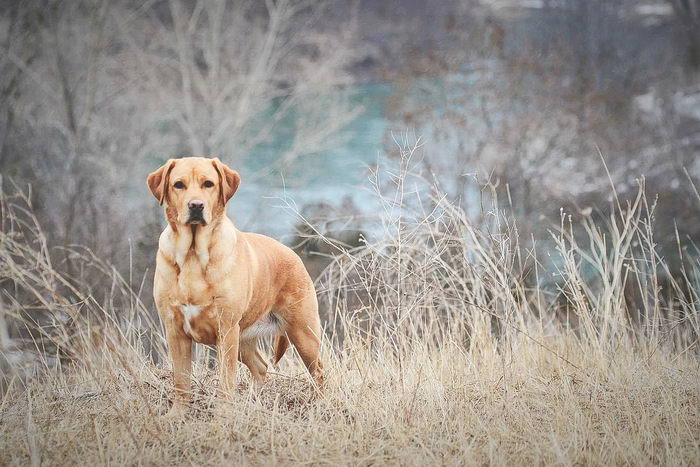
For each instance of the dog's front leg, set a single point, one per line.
(227, 349)
(180, 349)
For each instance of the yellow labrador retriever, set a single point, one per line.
(219, 286)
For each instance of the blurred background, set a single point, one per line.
(550, 103)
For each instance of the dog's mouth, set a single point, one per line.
(196, 218)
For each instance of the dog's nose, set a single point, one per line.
(196, 205)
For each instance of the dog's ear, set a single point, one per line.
(229, 180)
(158, 180)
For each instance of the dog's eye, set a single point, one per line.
(208, 184)
(179, 185)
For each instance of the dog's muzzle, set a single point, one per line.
(196, 212)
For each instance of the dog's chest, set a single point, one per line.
(193, 285)
(195, 303)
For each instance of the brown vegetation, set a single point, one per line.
(444, 342)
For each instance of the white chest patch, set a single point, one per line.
(189, 312)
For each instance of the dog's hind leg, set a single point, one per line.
(305, 334)
(281, 345)
(250, 356)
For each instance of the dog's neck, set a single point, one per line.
(194, 238)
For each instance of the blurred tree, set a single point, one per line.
(688, 13)
(225, 73)
(532, 112)
(95, 93)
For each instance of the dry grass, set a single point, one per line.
(432, 407)
(445, 345)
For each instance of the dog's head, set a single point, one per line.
(195, 190)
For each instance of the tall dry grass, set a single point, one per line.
(448, 341)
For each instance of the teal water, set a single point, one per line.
(330, 176)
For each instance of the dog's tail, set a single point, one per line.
(281, 346)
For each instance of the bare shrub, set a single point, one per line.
(434, 272)
(52, 317)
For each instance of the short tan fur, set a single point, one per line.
(219, 286)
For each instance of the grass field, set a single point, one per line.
(435, 407)
(445, 343)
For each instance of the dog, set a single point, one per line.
(216, 285)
